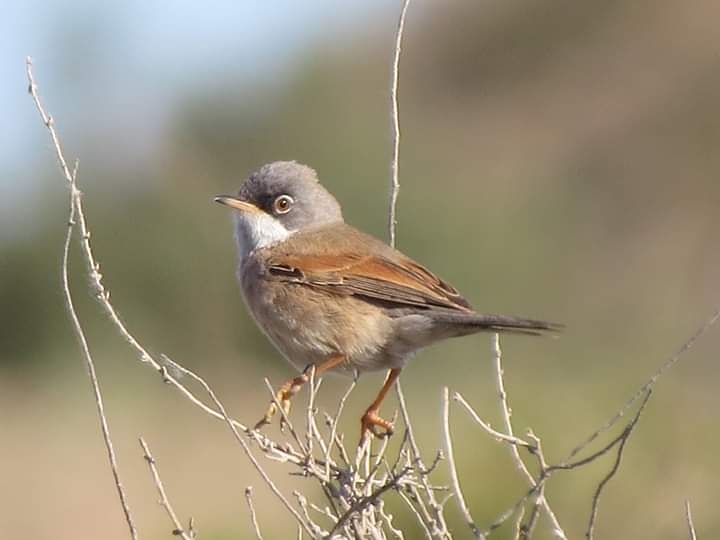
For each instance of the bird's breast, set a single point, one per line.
(309, 326)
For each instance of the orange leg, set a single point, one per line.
(291, 387)
(370, 420)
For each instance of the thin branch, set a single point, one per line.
(312, 433)
(650, 383)
(318, 531)
(75, 196)
(253, 516)
(689, 521)
(596, 496)
(49, 123)
(453, 470)
(333, 423)
(519, 507)
(418, 517)
(488, 428)
(103, 297)
(518, 527)
(259, 468)
(387, 519)
(395, 116)
(437, 523)
(505, 410)
(506, 415)
(624, 437)
(164, 501)
(364, 502)
(526, 530)
(624, 434)
(546, 471)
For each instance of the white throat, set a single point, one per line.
(258, 230)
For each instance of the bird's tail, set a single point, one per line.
(476, 322)
(515, 325)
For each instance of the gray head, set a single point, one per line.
(278, 200)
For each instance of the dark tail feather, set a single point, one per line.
(503, 323)
(514, 325)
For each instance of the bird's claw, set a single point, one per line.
(272, 410)
(371, 421)
(265, 420)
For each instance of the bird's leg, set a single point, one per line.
(291, 387)
(370, 420)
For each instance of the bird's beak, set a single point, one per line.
(237, 204)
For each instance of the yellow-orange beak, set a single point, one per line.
(237, 204)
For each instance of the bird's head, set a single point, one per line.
(278, 200)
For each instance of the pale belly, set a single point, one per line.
(308, 327)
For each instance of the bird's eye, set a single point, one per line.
(283, 204)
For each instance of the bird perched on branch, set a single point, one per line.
(331, 297)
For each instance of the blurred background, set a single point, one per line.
(559, 160)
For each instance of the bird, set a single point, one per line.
(334, 299)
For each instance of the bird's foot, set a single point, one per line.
(282, 398)
(272, 410)
(370, 423)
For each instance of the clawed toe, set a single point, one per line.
(371, 420)
(272, 410)
(373, 424)
(265, 420)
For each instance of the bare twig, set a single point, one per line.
(164, 502)
(518, 527)
(623, 439)
(416, 512)
(546, 471)
(49, 124)
(253, 516)
(395, 117)
(506, 415)
(436, 522)
(527, 529)
(317, 531)
(334, 423)
(670, 362)
(388, 520)
(453, 470)
(259, 468)
(435, 527)
(312, 434)
(624, 434)
(518, 507)
(364, 502)
(488, 428)
(75, 196)
(103, 297)
(689, 521)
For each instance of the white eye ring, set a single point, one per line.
(283, 204)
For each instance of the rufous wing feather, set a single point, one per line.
(402, 283)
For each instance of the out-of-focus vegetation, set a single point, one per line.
(559, 160)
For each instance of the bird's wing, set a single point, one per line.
(401, 283)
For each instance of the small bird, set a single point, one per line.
(332, 298)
